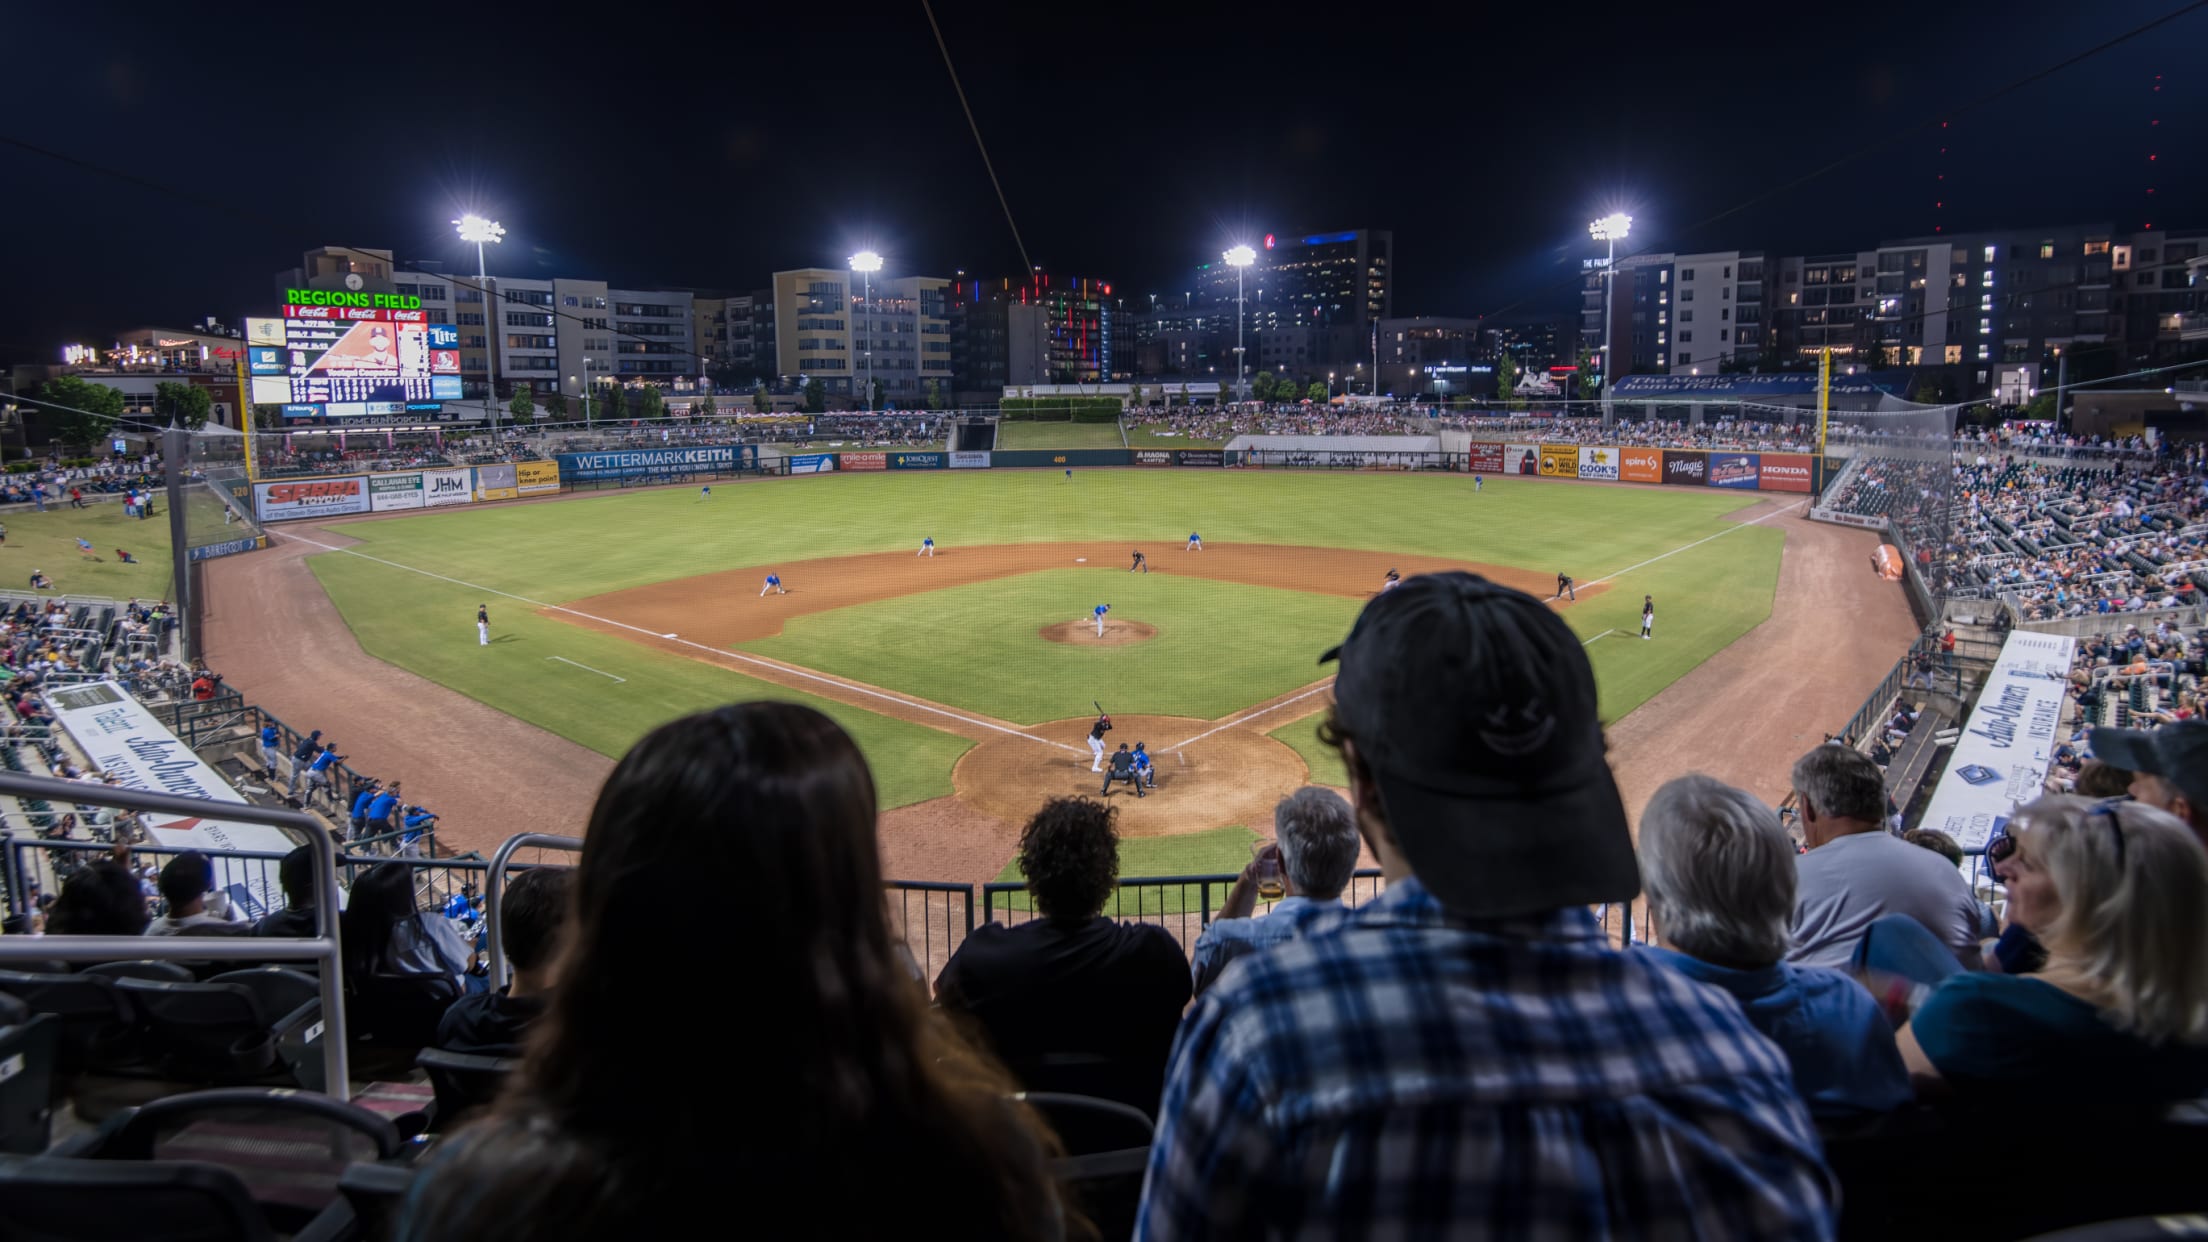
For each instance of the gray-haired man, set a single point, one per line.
(1856, 870)
(1315, 839)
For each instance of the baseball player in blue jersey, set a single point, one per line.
(927, 547)
(706, 492)
(1101, 609)
(1195, 542)
(1145, 775)
(774, 584)
(1478, 482)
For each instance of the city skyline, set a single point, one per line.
(1485, 179)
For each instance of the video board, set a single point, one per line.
(338, 354)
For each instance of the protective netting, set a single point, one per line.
(218, 499)
(1898, 464)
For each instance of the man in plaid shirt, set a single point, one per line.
(1467, 1055)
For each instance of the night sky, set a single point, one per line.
(704, 146)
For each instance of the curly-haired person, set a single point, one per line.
(1071, 1000)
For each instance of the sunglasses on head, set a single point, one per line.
(2003, 847)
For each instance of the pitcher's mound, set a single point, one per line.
(1083, 633)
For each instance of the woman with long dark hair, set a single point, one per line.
(734, 1040)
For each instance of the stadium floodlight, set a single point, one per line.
(1239, 259)
(1611, 229)
(866, 263)
(476, 229)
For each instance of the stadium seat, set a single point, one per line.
(98, 1029)
(464, 1083)
(399, 1011)
(1107, 1150)
(27, 1053)
(160, 972)
(55, 1200)
(2133, 1229)
(288, 1149)
(227, 1028)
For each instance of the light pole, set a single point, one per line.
(1330, 388)
(1611, 229)
(1239, 259)
(474, 228)
(590, 384)
(866, 263)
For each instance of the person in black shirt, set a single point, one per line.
(532, 912)
(1123, 769)
(296, 874)
(1071, 1000)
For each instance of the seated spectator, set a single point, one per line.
(1719, 871)
(858, 1101)
(2169, 767)
(296, 874)
(1855, 870)
(532, 912)
(2102, 780)
(103, 899)
(186, 882)
(2116, 1020)
(1070, 982)
(385, 934)
(1315, 850)
(1938, 842)
(1467, 1054)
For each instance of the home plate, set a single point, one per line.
(1080, 560)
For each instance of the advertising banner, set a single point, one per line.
(535, 478)
(2002, 756)
(1062, 458)
(1863, 520)
(447, 487)
(1199, 457)
(208, 552)
(388, 492)
(1686, 466)
(916, 461)
(813, 463)
(1784, 472)
(310, 498)
(1153, 457)
(970, 461)
(1641, 465)
(660, 464)
(1735, 470)
(1599, 464)
(1487, 457)
(1560, 461)
(862, 461)
(125, 740)
(1521, 459)
(495, 482)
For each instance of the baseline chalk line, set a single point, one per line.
(1592, 641)
(585, 667)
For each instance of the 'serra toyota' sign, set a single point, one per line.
(310, 498)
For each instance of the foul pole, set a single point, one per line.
(1824, 409)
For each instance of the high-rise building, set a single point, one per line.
(832, 326)
(1316, 280)
(1046, 330)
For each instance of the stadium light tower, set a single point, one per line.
(474, 228)
(1239, 259)
(866, 263)
(1611, 229)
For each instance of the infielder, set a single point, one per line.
(927, 547)
(1564, 587)
(482, 625)
(1141, 562)
(1648, 616)
(1097, 731)
(1195, 542)
(774, 584)
(1394, 580)
(1101, 609)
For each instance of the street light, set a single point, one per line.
(1612, 230)
(474, 228)
(866, 263)
(1239, 258)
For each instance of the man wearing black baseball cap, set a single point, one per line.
(1469, 1038)
(2168, 766)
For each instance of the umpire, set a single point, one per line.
(1122, 769)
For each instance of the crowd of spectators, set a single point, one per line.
(1225, 422)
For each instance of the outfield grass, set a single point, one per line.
(1215, 851)
(48, 541)
(1027, 435)
(427, 626)
(1220, 645)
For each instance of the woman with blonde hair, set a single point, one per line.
(2117, 1019)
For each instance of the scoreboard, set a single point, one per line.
(342, 355)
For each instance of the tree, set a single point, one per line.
(2039, 407)
(816, 396)
(704, 408)
(759, 400)
(1317, 391)
(1261, 387)
(1590, 381)
(613, 402)
(880, 400)
(523, 407)
(555, 405)
(186, 405)
(89, 409)
(268, 417)
(649, 404)
(935, 394)
(1134, 396)
(1506, 376)
(1874, 356)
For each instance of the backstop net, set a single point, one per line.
(1895, 468)
(217, 498)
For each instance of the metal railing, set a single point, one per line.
(323, 948)
(494, 887)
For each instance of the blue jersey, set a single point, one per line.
(1101, 609)
(380, 806)
(323, 761)
(1142, 761)
(360, 803)
(1193, 537)
(268, 735)
(772, 580)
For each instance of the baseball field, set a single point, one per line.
(970, 677)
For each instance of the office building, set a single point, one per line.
(1432, 355)
(1315, 280)
(1017, 332)
(1821, 302)
(1534, 342)
(832, 326)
